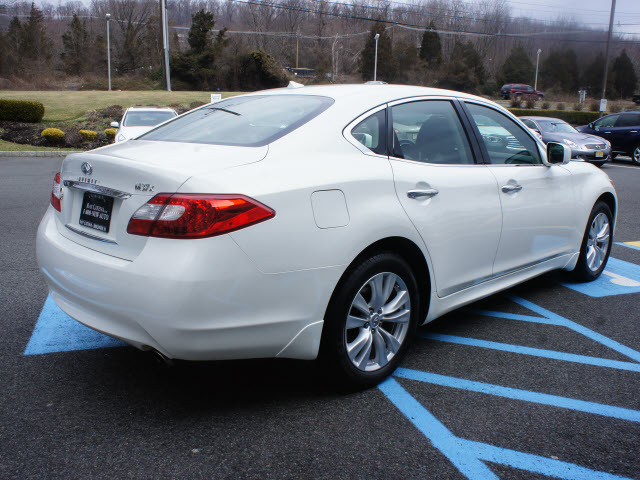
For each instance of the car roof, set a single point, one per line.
(544, 118)
(361, 97)
(150, 108)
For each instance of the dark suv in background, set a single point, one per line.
(622, 130)
(517, 90)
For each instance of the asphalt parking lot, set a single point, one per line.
(541, 381)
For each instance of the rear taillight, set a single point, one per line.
(196, 215)
(56, 192)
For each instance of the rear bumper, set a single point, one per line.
(189, 299)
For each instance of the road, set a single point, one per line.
(543, 378)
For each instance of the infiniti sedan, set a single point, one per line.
(591, 148)
(139, 120)
(294, 223)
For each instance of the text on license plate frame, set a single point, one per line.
(96, 211)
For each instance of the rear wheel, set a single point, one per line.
(635, 155)
(371, 319)
(596, 245)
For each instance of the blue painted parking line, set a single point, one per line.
(469, 456)
(618, 278)
(56, 331)
(634, 247)
(536, 352)
(524, 395)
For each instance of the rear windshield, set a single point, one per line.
(251, 121)
(146, 118)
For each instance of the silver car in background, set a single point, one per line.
(590, 148)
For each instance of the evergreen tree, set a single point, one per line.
(386, 63)
(75, 44)
(559, 70)
(406, 56)
(430, 48)
(592, 76)
(623, 76)
(465, 72)
(35, 45)
(10, 46)
(200, 31)
(517, 68)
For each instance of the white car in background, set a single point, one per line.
(293, 223)
(139, 120)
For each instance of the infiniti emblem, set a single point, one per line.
(86, 168)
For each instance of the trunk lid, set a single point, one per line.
(103, 188)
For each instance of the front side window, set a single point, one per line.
(431, 132)
(506, 142)
(606, 122)
(142, 118)
(245, 121)
(371, 132)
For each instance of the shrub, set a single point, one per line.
(53, 135)
(196, 105)
(594, 107)
(113, 111)
(560, 106)
(515, 102)
(569, 116)
(179, 108)
(88, 135)
(530, 101)
(546, 106)
(578, 107)
(73, 138)
(110, 133)
(21, 111)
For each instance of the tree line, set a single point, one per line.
(243, 45)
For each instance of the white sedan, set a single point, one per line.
(139, 120)
(293, 223)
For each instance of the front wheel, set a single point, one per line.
(370, 321)
(596, 244)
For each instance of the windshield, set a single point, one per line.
(141, 118)
(556, 127)
(247, 121)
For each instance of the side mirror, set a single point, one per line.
(557, 153)
(115, 124)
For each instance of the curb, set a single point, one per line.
(38, 154)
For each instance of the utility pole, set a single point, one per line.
(603, 99)
(166, 70)
(535, 85)
(108, 17)
(375, 60)
(297, 46)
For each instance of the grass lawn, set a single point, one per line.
(72, 104)
(17, 147)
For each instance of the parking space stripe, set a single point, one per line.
(633, 245)
(536, 352)
(439, 435)
(468, 455)
(535, 463)
(558, 320)
(517, 394)
(511, 316)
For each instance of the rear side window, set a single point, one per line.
(371, 132)
(248, 121)
(628, 120)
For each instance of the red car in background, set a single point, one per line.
(517, 90)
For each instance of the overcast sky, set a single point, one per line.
(592, 12)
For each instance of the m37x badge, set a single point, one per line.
(144, 187)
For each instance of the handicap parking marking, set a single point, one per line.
(56, 331)
(618, 278)
(634, 245)
(468, 456)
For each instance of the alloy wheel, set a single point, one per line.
(598, 242)
(636, 155)
(377, 322)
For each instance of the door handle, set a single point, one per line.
(633, 131)
(511, 188)
(431, 192)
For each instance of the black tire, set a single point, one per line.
(582, 272)
(333, 347)
(635, 154)
(598, 164)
